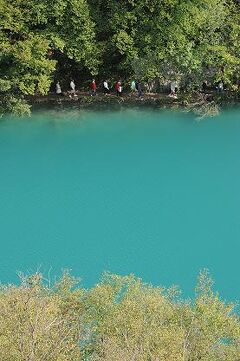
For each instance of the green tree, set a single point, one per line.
(41, 41)
(33, 35)
(188, 40)
(120, 318)
(35, 323)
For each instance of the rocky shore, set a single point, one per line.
(204, 104)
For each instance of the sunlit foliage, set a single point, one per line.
(120, 318)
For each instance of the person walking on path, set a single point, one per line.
(118, 88)
(173, 87)
(72, 88)
(133, 86)
(106, 87)
(139, 88)
(58, 89)
(220, 87)
(93, 87)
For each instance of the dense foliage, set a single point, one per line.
(42, 41)
(120, 319)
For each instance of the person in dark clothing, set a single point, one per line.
(204, 86)
(139, 88)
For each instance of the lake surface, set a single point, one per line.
(150, 192)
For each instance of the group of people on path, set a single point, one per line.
(136, 87)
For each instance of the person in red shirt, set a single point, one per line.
(118, 88)
(93, 87)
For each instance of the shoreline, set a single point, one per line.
(202, 104)
(183, 99)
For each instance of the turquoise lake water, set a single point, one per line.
(150, 192)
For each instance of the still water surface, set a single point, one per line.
(151, 192)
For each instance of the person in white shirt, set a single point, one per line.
(58, 88)
(106, 87)
(133, 86)
(173, 87)
(73, 88)
(220, 87)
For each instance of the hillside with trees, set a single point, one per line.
(42, 42)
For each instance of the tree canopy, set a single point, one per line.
(121, 318)
(43, 41)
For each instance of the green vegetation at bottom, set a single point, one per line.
(119, 319)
